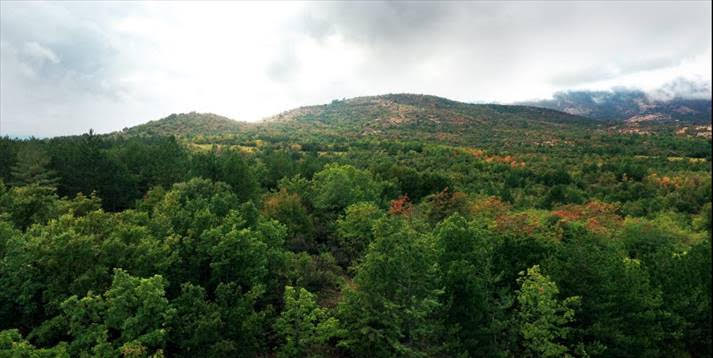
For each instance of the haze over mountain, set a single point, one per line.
(679, 101)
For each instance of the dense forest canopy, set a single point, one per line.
(374, 227)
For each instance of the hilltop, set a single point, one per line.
(394, 116)
(411, 110)
(424, 117)
(187, 125)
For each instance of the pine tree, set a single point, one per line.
(31, 168)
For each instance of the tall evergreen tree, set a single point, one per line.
(32, 167)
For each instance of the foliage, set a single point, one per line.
(127, 320)
(354, 229)
(392, 309)
(338, 186)
(397, 225)
(542, 318)
(304, 326)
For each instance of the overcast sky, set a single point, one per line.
(67, 67)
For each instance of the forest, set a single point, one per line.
(523, 239)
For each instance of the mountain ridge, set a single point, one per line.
(629, 106)
(364, 114)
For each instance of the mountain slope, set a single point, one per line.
(187, 125)
(410, 110)
(423, 117)
(628, 105)
(393, 116)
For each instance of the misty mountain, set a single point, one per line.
(629, 105)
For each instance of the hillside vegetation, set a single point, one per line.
(388, 226)
(187, 125)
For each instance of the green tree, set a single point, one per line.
(303, 326)
(130, 319)
(542, 318)
(197, 325)
(392, 310)
(13, 345)
(32, 167)
(475, 301)
(29, 204)
(338, 186)
(685, 280)
(586, 267)
(354, 230)
(316, 273)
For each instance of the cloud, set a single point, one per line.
(40, 53)
(609, 71)
(681, 88)
(68, 67)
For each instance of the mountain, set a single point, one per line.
(187, 125)
(418, 111)
(413, 116)
(628, 105)
(392, 116)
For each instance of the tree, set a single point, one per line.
(685, 280)
(182, 217)
(86, 165)
(354, 230)
(475, 301)
(235, 171)
(303, 326)
(31, 168)
(338, 186)
(392, 309)
(72, 256)
(9, 149)
(443, 204)
(12, 344)
(197, 325)
(29, 204)
(288, 209)
(586, 267)
(316, 273)
(129, 319)
(153, 161)
(541, 317)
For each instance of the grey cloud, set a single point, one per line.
(77, 50)
(483, 38)
(59, 72)
(63, 64)
(682, 88)
(285, 66)
(605, 72)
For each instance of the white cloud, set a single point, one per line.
(39, 52)
(67, 67)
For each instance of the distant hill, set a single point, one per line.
(423, 117)
(411, 110)
(628, 105)
(395, 116)
(187, 125)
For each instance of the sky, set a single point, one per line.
(66, 67)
